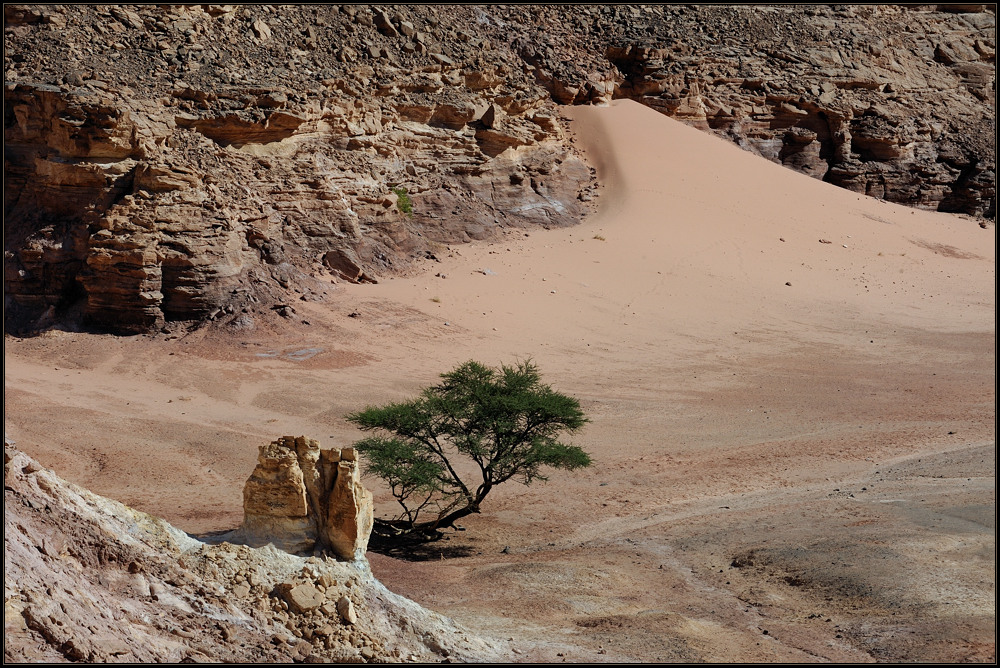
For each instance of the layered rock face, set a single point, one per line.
(168, 165)
(89, 579)
(890, 101)
(301, 498)
(182, 164)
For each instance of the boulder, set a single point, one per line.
(261, 30)
(384, 25)
(345, 264)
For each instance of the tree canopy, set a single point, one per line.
(443, 452)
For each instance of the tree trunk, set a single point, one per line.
(449, 519)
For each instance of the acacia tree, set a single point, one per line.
(444, 452)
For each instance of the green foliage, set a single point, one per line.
(443, 452)
(403, 203)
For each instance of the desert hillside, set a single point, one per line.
(170, 165)
(783, 332)
(88, 579)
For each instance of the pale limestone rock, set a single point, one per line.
(345, 608)
(139, 567)
(276, 503)
(350, 514)
(301, 498)
(241, 590)
(262, 30)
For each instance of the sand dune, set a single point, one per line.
(699, 239)
(750, 387)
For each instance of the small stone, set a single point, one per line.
(303, 598)
(262, 30)
(384, 25)
(345, 608)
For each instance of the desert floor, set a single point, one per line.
(793, 441)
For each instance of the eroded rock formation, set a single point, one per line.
(170, 165)
(301, 499)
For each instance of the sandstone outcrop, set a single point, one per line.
(301, 499)
(225, 183)
(88, 579)
(167, 166)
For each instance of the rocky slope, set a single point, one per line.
(90, 579)
(168, 165)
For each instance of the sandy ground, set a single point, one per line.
(793, 441)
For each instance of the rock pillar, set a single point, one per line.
(301, 499)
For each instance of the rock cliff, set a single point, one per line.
(90, 579)
(169, 165)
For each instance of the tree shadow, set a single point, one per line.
(419, 547)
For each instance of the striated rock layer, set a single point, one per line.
(90, 579)
(174, 164)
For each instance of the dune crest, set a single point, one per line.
(696, 238)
